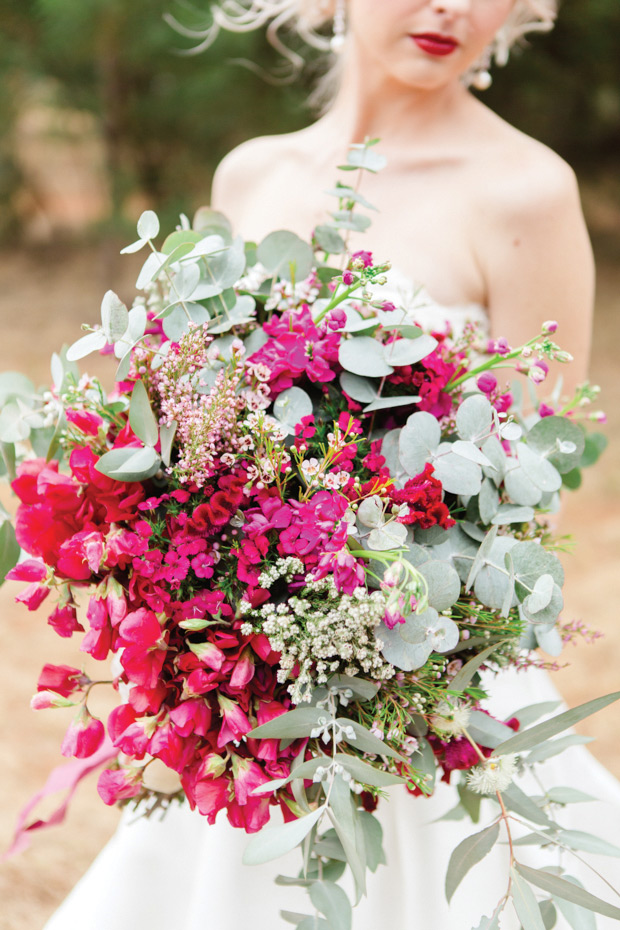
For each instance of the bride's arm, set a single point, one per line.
(538, 260)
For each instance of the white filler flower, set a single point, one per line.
(492, 775)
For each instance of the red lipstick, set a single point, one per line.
(435, 44)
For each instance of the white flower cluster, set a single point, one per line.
(285, 296)
(494, 774)
(323, 633)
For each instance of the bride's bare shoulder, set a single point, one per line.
(524, 176)
(251, 162)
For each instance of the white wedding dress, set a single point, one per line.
(182, 874)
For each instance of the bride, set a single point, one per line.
(489, 221)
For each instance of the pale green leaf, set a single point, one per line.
(167, 434)
(387, 403)
(344, 816)
(148, 225)
(373, 835)
(357, 387)
(418, 440)
(516, 800)
(365, 741)
(285, 255)
(367, 774)
(548, 914)
(331, 901)
(553, 747)
(474, 417)
(486, 730)
(443, 582)
(291, 725)
(457, 475)
(291, 406)
(469, 852)
(91, 342)
(363, 355)
(464, 676)
(141, 417)
(409, 351)
(525, 903)
(561, 888)
(9, 549)
(273, 842)
(578, 839)
(481, 556)
(329, 239)
(534, 712)
(114, 316)
(562, 795)
(129, 463)
(533, 736)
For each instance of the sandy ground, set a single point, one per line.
(44, 296)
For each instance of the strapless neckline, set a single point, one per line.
(401, 290)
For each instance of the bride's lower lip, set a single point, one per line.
(435, 45)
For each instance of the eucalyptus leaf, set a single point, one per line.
(578, 839)
(551, 433)
(13, 384)
(409, 351)
(474, 418)
(553, 747)
(516, 800)
(444, 584)
(521, 489)
(9, 549)
(457, 475)
(467, 854)
(91, 342)
(494, 451)
(285, 255)
(525, 903)
(114, 316)
(129, 463)
(167, 434)
(209, 222)
(486, 730)
(370, 512)
(291, 406)
(533, 712)
(273, 842)
(469, 450)
(483, 552)
(291, 725)
(548, 914)
(344, 816)
(531, 561)
(13, 426)
(493, 580)
(363, 355)
(141, 417)
(389, 536)
(365, 741)
(465, 675)
(367, 774)
(329, 239)
(561, 888)
(507, 514)
(373, 835)
(346, 219)
(388, 403)
(579, 918)
(135, 331)
(538, 469)
(418, 440)
(148, 225)
(150, 269)
(360, 389)
(361, 156)
(533, 736)
(329, 899)
(222, 269)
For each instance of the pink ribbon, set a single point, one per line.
(63, 778)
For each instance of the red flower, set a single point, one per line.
(62, 679)
(423, 495)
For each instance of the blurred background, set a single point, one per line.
(102, 115)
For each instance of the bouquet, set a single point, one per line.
(301, 529)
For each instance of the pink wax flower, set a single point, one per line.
(498, 346)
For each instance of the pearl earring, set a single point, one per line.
(340, 27)
(482, 79)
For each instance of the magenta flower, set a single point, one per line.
(62, 679)
(235, 723)
(84, 736)
(116, 784)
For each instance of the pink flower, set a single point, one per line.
(62, 679)
(498, 346)
(116, 784)
(210, 796)
(64, 620)
(33, 596)
(248, 810)
(235, 723)
(192, 716)
(29, 570)
(243, 672)
(348, 278)
(545, 410)
(87, 422)
(361, 259)
(486, 382)
(84, 736)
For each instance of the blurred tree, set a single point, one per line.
(167, 118)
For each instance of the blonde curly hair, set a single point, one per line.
(308, 17)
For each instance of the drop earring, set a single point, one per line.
(340, 27)
(480, 77)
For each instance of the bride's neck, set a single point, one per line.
(372, 105)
